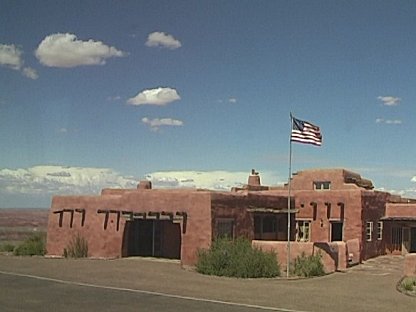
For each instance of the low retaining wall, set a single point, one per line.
(334, 254)
(410, 264)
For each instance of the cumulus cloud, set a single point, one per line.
(232, 100)
(161, 39)
(389, 100)
(211, 180)
(156, 123)
(158, 96)
(30, 73)
(66, 50)
(11, 57)
(389, 121)
(50, 180)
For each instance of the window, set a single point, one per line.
(336, 231)
(322, 185)
(369, 231)
(225, 228)
(269, 224)
(303, 231)
(379, 230)
(268, 227)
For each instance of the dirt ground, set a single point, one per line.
(367, 287)
(18, 223)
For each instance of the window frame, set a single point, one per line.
(369, 227)
(380, 227)
(303, 239)
(225, 221)
(321, 185)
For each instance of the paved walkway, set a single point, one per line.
(367, 287)
(381, 266)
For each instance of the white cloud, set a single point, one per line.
(11, 56)
(30, 73)
(389, 121)
(44, 180)
(389, 100)
(393, 122)
(232, 100)
(212, 180)
(156, 123)
(161, 39)
(157, 96)
(65, 50)
(114, 98)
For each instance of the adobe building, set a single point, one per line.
(333, 211)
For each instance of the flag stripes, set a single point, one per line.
(305, 132)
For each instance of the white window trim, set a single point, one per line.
(369, 227)
(309, 229)
(321, 183)
(380, 226)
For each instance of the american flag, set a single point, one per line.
(305, 132)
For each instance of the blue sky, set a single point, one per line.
(196, 93)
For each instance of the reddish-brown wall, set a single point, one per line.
(101, 243)
(374, 208)
(401, 210)
(109, 242)
(334, 255)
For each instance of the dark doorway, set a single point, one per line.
(153, 238)
(412, 240)
(336, 231)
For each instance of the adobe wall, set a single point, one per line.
(374, 208)
(234, 206)
(334, 255)
(101, 242)
(410, 265)
(401, 210)
(303, 180)
(196, 204)
(105, 231)
(324, 207)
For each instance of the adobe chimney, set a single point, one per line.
(254, 178)
(144, 185)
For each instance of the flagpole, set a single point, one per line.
(288, 198)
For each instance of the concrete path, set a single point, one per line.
(162, 286)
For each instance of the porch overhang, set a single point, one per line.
(270, 210)
(398, 218)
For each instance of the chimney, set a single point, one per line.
(144, 185)
(254, 178)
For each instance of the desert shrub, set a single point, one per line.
(408, 284)
(77, 247)
(308, 266)
(7, 247)
(34, 245)
(237, 259)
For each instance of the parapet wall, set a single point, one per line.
(334, 255)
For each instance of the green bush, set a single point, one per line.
(308, 266)
(237, 259)
(77, 248)
(408, 284)
(34, 245)
(7, 247)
